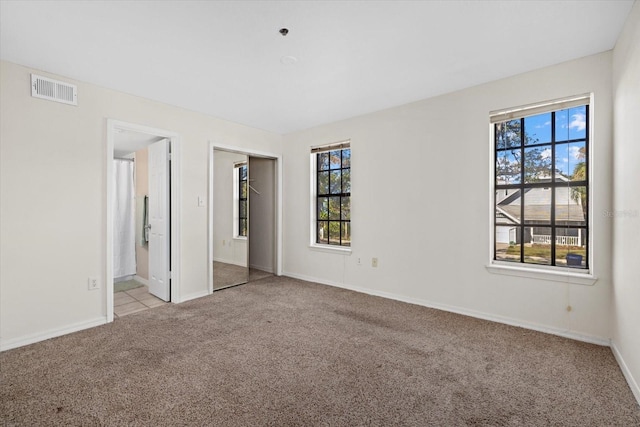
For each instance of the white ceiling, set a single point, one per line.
(354, 57)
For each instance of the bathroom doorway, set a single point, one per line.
(141, 218)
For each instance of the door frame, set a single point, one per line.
(175, 203)
(278, 202)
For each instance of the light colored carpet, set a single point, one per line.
(282, 352)
(126, 286)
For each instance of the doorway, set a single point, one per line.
(142, 223)
(244, 216)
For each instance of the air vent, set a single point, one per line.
(53, 90)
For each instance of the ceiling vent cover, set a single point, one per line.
(53, 90)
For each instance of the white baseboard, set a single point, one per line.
(458, 310)
(123, 278)
(141, 280)
(633, 384)
(51, 333)
(194, 295)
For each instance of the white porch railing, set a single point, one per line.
(560, 240)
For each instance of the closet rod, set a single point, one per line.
(120, 158)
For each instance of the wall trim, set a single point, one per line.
(194, 295)
(459, 310)
(141, 280)
(51, 333)
(633, 384)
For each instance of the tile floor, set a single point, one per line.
(133, 301)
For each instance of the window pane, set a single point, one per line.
(537, 164)
(243, 208)
(346, 208)
(346, 158)
(335, 185)
(537, 245)
(323, 183)
(571, 161)
(243, 227)
(508, 134)
(346, 181)
(323, 232)
(508, 167)
(243, 189)
(537, 129)
(508, 243)
(508, 207)
(571, 123)
(334, 207)
(537, 206)
(334, 232)
(323, 208)
(323, 161)
(335, 159)
(571, 247)
(346, 234)
(243, 172)
(571, 206)
(333, 210)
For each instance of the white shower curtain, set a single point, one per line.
(124, 234)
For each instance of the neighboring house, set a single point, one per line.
(537, 214)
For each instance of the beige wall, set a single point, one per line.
(625, 214)
(420, 204)
(262, 214)
(142, 190)
(52, 200)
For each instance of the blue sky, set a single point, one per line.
(570, 124)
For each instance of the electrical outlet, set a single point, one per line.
(224, 243)
(374, 262)
(359, 261)
(93, 283)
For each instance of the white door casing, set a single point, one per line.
(159, 221)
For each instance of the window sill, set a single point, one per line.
(563, 275)
(344, 250)
(239, 238)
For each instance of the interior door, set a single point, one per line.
(230, 218)
(159, 221)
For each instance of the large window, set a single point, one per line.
(542, 184)
(242, 188)
(332, 188)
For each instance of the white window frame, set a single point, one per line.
(550, 273)
(313, 166)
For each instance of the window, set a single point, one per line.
(541, 184)
(241, 197)
(331, 217)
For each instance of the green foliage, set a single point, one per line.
(579, 194)
(544, 251)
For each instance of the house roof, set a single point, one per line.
(538, 206)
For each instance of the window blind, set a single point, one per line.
(533, 109)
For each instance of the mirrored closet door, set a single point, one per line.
(230, 219)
